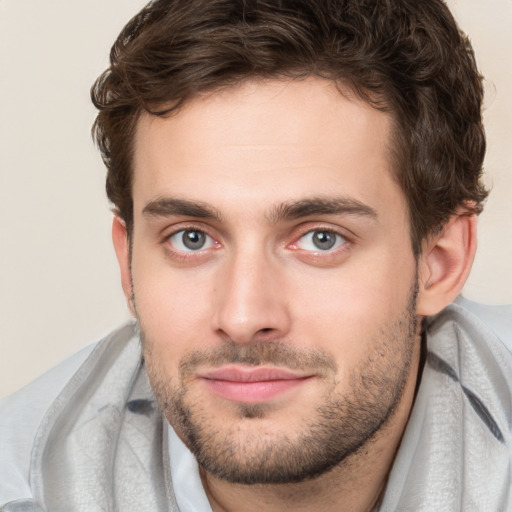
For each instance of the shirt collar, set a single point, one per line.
(188, 488)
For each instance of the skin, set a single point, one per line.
(234, 165)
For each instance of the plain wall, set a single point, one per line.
(59, 284)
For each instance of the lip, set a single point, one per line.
(251, 385)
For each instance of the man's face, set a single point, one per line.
(273, 277)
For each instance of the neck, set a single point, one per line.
(357, 484)
(343, 488)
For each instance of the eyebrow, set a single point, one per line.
(168, 206)
(322, 206)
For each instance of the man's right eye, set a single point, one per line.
(190, 240)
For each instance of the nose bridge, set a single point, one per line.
(250, 300)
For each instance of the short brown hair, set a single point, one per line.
(405, 56)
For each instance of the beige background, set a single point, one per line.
(58, 278)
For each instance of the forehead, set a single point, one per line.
(267, 142)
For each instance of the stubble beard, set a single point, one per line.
(341, 425)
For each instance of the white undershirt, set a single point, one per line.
(188, 488)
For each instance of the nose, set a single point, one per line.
(251, 302)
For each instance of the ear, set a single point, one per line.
(121, 246)
(445, 263)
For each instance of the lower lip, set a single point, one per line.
(252, 392)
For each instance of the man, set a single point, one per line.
(295, 186)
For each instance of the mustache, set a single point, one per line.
(260, 353)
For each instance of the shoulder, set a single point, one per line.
(459, 428)
(473, 335)
(20, 417)
(497, 318)
(484, 324)
(471, 345)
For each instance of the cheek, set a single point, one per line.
(348, 309)
(172, 306)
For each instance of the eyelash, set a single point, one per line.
(209, 241)
(184, 255)
(336, 244)
(323, 258)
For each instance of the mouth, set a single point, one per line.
(251, 385)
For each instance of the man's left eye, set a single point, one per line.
(188, 240)
(320, 240)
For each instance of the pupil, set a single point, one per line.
(324, 240)
(193, 239)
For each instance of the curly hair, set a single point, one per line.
(407, 57)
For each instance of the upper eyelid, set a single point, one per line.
(335, 232)
(175, 232)
(303, 230)
(170, 231)
(326, 230)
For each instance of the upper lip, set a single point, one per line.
(250, 374)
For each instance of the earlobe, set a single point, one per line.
(445, 264)
(122, 249)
